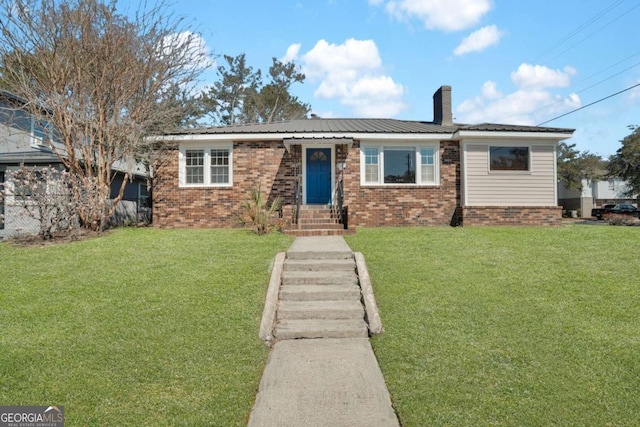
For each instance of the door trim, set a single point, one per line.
(304, 169)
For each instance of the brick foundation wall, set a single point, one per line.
(512, 215)
(264, 163)
(399, 205)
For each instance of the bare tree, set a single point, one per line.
(103, 80)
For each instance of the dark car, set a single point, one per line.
(599, 213)
(623, 209)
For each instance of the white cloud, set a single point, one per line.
(479, 40)
(348, 59)
(539, 76)
(352, 72)
(490, 90)
(196, 57)
(292, 53)
(195, 46)
(446, 15)
(375, 96)
(520, 107)
(530, 104)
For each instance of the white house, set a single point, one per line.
(594, 194)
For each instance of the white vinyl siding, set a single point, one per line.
(484, 187)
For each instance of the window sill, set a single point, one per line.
(510, 172)
(400, 186)
(205, 186)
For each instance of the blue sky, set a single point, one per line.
(508, 61)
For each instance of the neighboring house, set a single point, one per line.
(21, 144)
(377, 172)
(594, 194)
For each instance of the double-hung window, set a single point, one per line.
(371, 161)
(219, 166)
(194, 166)
(206, 166)
(399, 164)
(428, 165)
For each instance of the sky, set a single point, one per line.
(507, 61)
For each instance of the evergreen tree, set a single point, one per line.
(625, 163)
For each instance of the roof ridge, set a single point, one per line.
(368, 125)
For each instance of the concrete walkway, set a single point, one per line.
(323, 381)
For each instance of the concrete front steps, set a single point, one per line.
(318, 220)
(320, 297)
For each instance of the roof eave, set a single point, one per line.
(297, 136)
(479, 134)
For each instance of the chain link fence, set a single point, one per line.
(16, 221)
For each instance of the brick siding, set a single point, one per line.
(512, 215)
(257, 163)
(270, 165)
(398, 205)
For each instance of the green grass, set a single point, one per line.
(508, 326)
(483, 326)
(141, 327)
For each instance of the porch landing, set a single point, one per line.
(318, 220)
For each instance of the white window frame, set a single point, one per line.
(206, 147)
(510, 145)
(404, 145)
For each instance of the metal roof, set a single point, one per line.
(495, 127)
(369, 126)
(29, 157)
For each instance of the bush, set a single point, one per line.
(44, 194)
(620, 220)
(260, 215)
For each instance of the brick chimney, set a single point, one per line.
(442, 106)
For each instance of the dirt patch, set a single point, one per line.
(57, 238)
(618, 221)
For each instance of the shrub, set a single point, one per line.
(258, 214)
(44, 194)
(620, 220)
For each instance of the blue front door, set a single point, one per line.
(318, 175)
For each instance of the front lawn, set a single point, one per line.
(141, 327)
(508, 326)
(484, 326)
